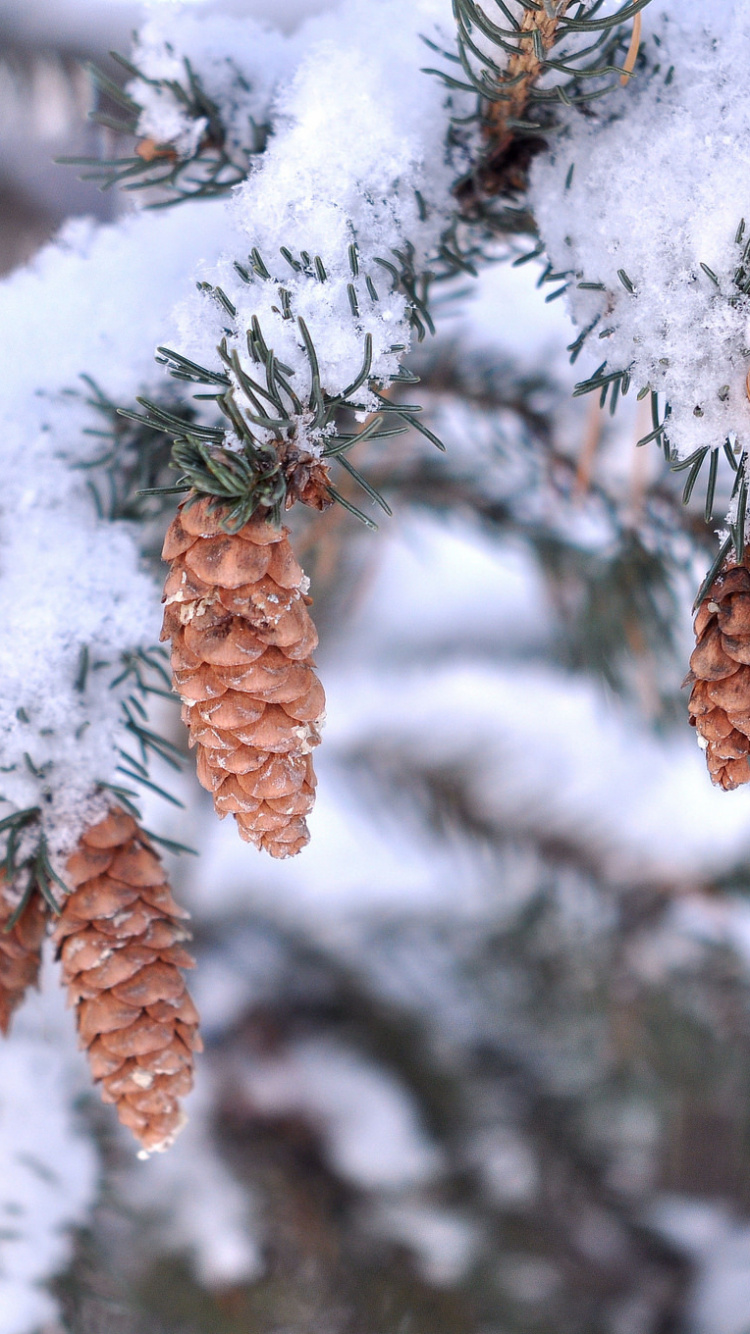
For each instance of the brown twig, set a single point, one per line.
(591, 441)
(524, 68)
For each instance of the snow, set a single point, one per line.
(350, 159)
(239, 64)
(368, 1121)
(93, 302)
(48, 1165)
(719, 1244)
(442, 583)
(647, 171)
(445, 1242)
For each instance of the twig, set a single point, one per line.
(524, 68)
(632, 56)
(590, 445)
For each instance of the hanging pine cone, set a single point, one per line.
(720, 669)
(120, 942)
(20, 952)
(242, 640)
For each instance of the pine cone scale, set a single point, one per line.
(731, 693)
(735, 620)
(710, 659)
(737, 649)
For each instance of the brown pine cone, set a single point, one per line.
(120, 939)
(720, 669)
(242, 640)
(20, 952)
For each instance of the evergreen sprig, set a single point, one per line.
(133, 464)
(145, 672)
(26, 863)
(251, 461)
(213, 168)
(706, 461)
(557, 54)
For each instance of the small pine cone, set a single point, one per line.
(20, 953)
(242, 640)
(720, 670)
(120, 938)
(307, 479)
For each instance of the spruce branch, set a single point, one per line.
(26, 867)
(516, 98)
(536, 36)
(125, 478)
(277, 443)
(212, 167)
(723, 466)
(144, 672)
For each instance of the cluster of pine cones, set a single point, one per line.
(236, 611)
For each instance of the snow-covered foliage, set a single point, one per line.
(643, 203)
(447, 670)
(239, 65)
(355, 188)
(71, 586)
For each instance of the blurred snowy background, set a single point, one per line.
(479, 1059)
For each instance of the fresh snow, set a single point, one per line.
(350, 158)
(652, 187)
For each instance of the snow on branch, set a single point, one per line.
(336, 234)
(642, 209)
(77, 604)
(198, 102)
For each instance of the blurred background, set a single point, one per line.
(479, 1059)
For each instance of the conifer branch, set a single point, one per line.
(516, 101)
(212, 167)
(536, 36)
(279, 444)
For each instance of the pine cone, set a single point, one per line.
(120, 944)
(20, 953)
(241, 644)
(720, 669)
